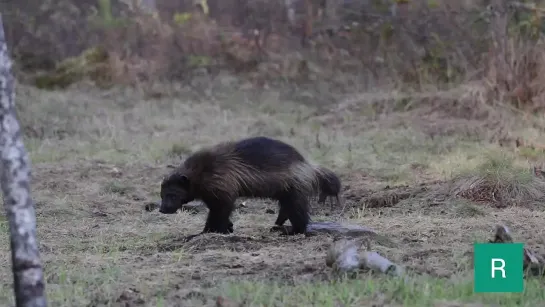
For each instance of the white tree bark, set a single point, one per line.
(27, 270)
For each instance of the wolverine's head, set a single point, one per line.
(175, 192)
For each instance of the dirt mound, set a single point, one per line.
(213, 242)
(389, 196)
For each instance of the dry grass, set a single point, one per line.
(498, 181)
(432, 166)
(99, 156)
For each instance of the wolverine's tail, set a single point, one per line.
(329, 184)
(315, 179)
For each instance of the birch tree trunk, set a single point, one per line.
(15, 165)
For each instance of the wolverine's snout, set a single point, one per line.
(167, 209)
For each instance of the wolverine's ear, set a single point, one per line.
(180, 179)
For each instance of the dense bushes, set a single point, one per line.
(405, 44)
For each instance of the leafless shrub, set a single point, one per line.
(414, 44)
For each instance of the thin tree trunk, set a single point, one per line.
(15, 165)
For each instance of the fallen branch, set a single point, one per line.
(341, 230)
(343, 257)
(330, 228)
(338, 229)
(533, 264)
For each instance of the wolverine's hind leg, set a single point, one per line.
(282, 217)
(322, 198)
(280, 220)
(219, 214)
(296, 207)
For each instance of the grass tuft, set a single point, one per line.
(499, 181)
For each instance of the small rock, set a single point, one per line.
(196, 276)
(115, 172)
(269, 211)
(150, 207)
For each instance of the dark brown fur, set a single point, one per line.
(254, 167)
(329, 185)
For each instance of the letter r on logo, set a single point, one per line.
(498, 268)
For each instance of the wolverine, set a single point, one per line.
(256, 167)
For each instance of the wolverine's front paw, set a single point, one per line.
(223, 229)
(230, 227)
(281, 229)
(226, 229)
(287, 230)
